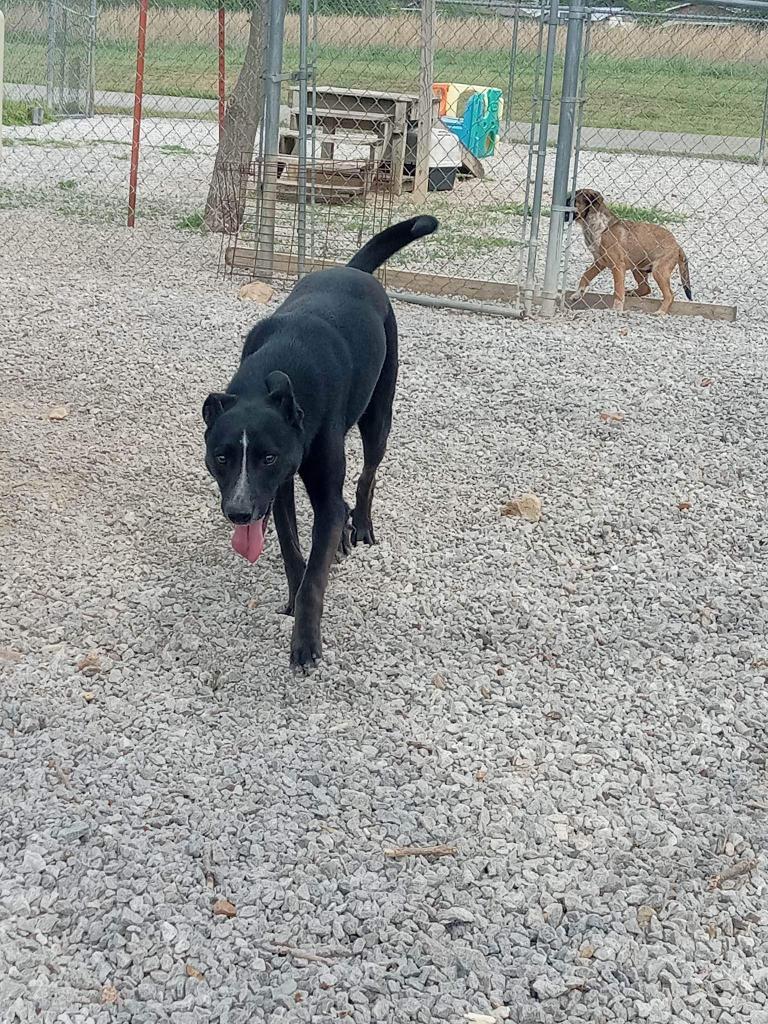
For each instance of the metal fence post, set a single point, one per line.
(50, 55)
(301, 197)
(426, 78)
(90, 99)
(582, 98)
(512, 70)
(541, 155)
(763, 130)
(568, 104)
(273, 73)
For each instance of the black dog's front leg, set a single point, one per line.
(324, 485)
(288, 535)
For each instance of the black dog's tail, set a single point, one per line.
(390, 241)
(685, 275)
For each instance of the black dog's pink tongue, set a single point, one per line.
(248, 541)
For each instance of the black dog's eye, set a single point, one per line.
(270, 460)
(221, 459)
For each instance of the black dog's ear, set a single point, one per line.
(215, 404)
(280, 392)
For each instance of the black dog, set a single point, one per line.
(327, 359)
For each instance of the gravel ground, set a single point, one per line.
(577, 705)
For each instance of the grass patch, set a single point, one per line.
(675, 94)
(107, 142)
(67, 185)
(16, 113)
(173, 148)
(648, 214)
(45, 143)
(191, 222)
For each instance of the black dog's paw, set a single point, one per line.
(305, 652)
(287, 608)
(362, 533)
(345, 542)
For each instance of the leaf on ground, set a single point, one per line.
(440, 850)
(59, 412)
(684, 506)
(224, 908)
(109, 994)
(645, 915)
(526, 506)
(612, 416)
(438, 681)
(256, 291)
(89, 664)
(10, 656)
(192, 972)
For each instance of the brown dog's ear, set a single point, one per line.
(215, 404)
(280, 393)
(594, 199)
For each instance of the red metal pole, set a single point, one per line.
(222, 70)
(138, 94)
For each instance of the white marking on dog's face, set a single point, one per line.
(241, 495)
(593, 226)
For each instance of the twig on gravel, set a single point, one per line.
(63, 778)
(741, 867)
(301, 954)
(420, 745)
(421, 851)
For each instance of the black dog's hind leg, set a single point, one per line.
(345, 544)
(323, 476)
(374, 425)
(288, 535)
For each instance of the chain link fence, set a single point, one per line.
(386, 110)
(674, 133)
(77, 75)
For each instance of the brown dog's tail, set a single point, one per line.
(685, 275)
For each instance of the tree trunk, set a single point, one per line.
(224, 205)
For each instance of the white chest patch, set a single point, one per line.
(242, 491)
(593, 232)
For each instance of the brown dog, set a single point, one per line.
(622, 245)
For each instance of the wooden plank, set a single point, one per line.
(470, 162)
(424, 112)
(712, 311)
(349, 138)
(323, 114)
(321, 192)
(468, 288)
(366, 94)
(327, 164)
(244, 256)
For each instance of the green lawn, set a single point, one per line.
(674, 95)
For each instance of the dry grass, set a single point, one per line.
(732, 43)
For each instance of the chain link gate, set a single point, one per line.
(373, 132)
(70, 64)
